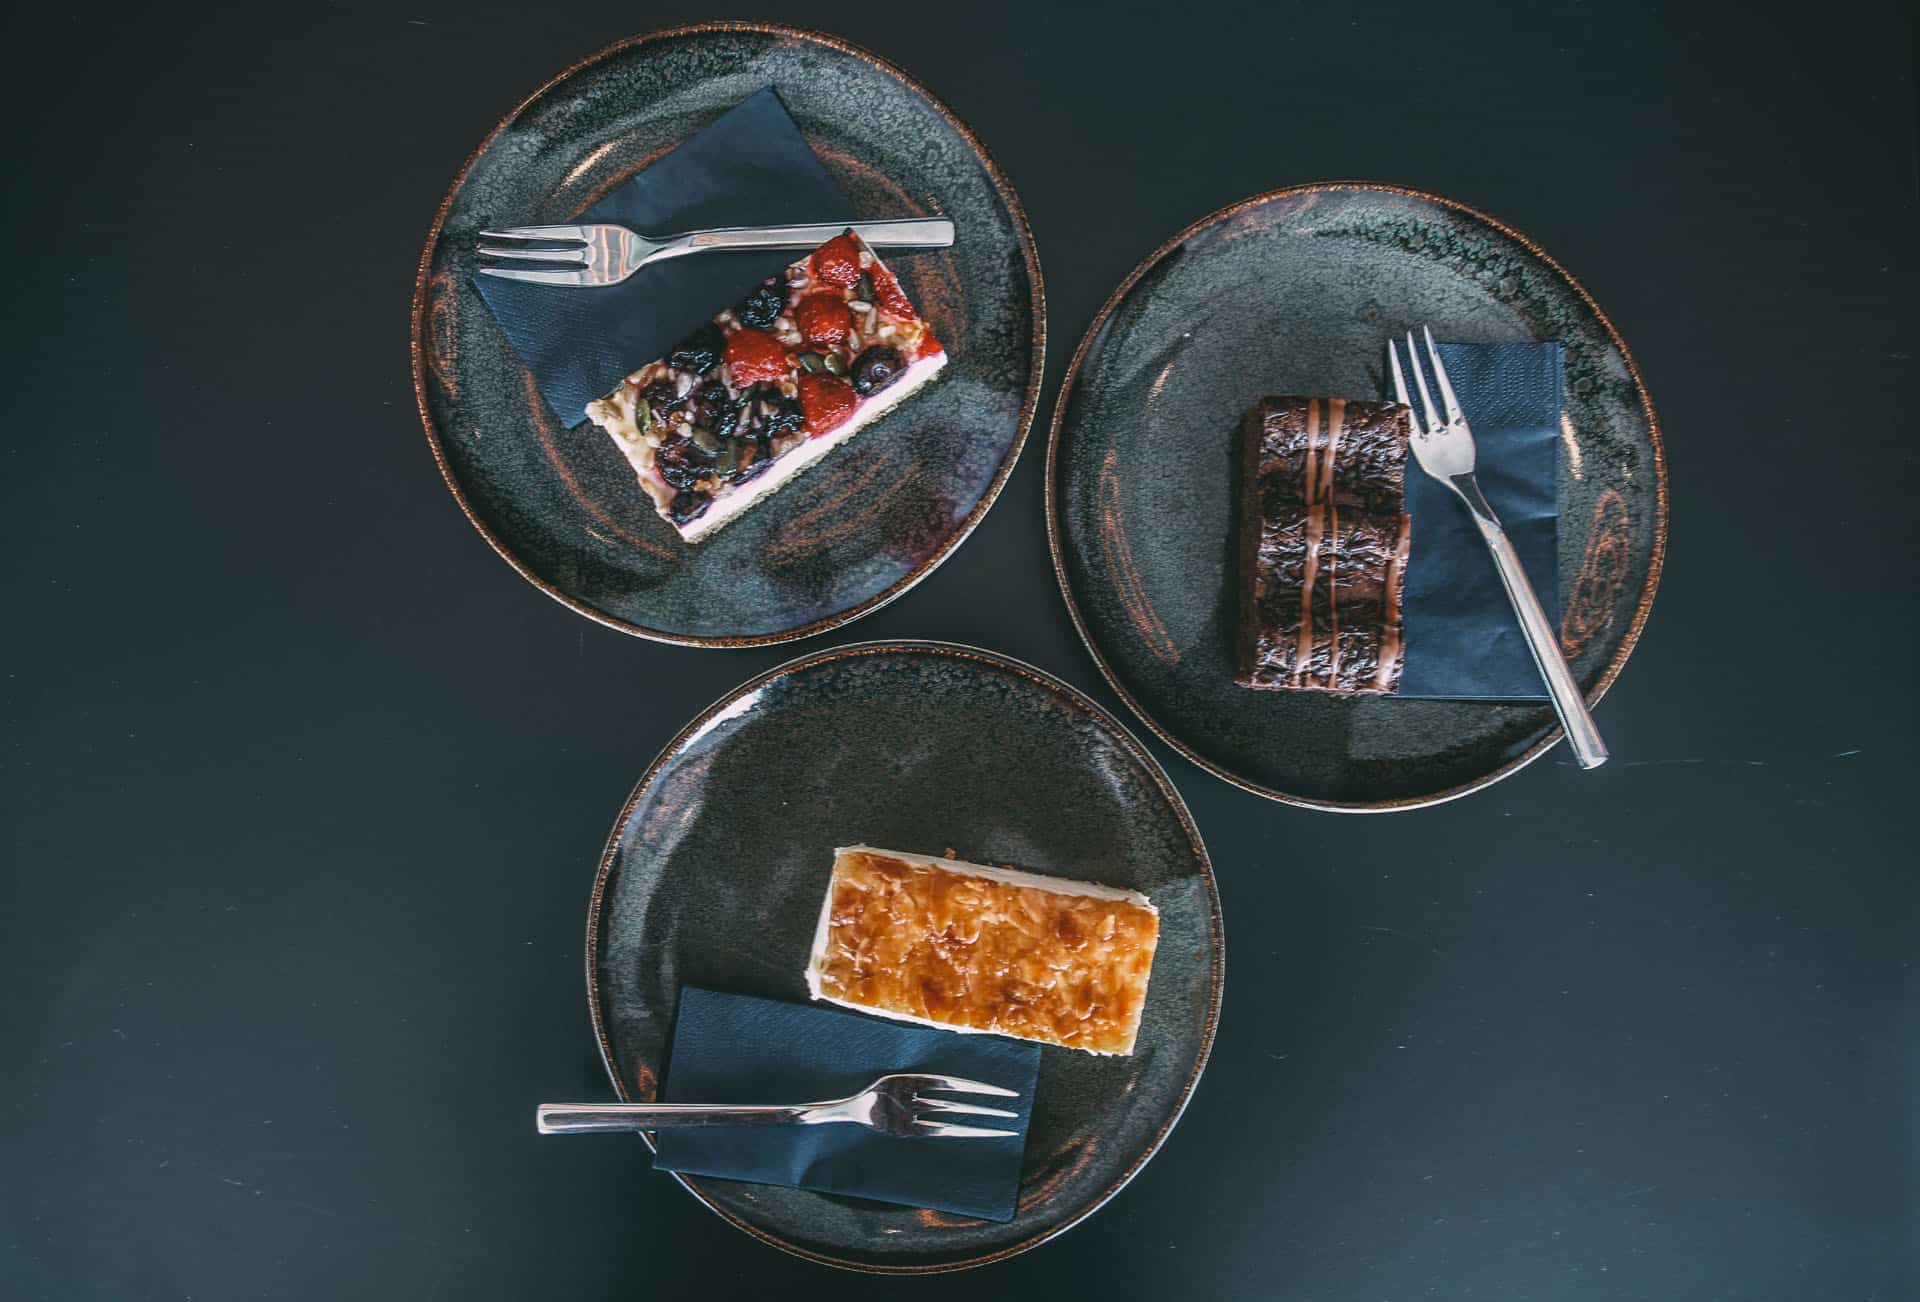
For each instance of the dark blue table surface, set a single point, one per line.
(303, 788)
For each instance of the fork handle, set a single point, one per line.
(1542, 639)
(932, 232)
(600, 1118)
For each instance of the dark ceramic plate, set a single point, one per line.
(562, 507)
(1296, 292)
(919, 746)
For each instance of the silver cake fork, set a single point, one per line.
(596, 255)
(1445, 451)
(892, 1105)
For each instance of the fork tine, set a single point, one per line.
(926, 1081)
(954, 1105)
(578, 234)
(573, 255)
(539, 277)
(1400, 383)
(947, 1130)
(1440, 378)
(1420, 380)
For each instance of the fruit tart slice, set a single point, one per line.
(770, 386)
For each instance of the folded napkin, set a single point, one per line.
(1462, 638)
(749, 167)
(733, 1049)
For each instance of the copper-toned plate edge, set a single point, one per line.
(900, 586)
(1072, 697)
(1556, 732)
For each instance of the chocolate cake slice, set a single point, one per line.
(1323, 544)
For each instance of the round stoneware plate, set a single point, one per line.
(917, 746)
(1297, 291)
(562, 506)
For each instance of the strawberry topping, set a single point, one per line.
(755, 357)
(823, 319)
(827, 401)
(887, 289)
(837, 262)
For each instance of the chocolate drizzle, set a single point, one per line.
(1309, 480)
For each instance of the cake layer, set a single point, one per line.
(972, 948)
(1331, 554)
(1323, 545)
(1296, 652)
(1348, 452)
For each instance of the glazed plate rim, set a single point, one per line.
(419, 324)
(1072, 696)
(1055, 529)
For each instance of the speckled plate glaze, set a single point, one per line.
(563, 508)
(919, 746)
(1297, 291)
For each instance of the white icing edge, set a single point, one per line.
(729, 505)
(960, 1029)
(818, 955)
(1011, 876)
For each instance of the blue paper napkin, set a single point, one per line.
(734, 1049)
(749, 167)
(1462, 637)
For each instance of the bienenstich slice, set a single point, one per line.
(767, 388)
(969, 947)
